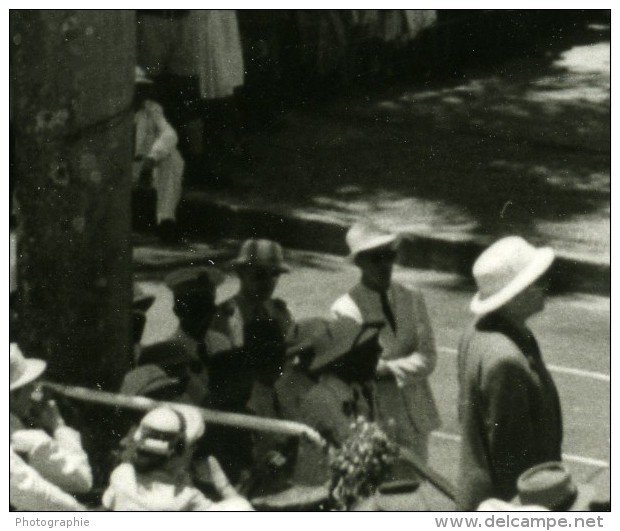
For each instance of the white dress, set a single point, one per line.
(220, 65)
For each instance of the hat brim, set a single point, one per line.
(296, 497)
(34, 369)
(338, 351)
(279, 268)
(542, 261)
(151, 387)
(389, 240)
(586, 494)
(304, 334)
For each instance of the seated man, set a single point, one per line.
(193, 289)
(157, 161)
(345, 360)
(47, 463)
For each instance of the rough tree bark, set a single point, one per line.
(72, 85)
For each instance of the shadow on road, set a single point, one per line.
(514, 146)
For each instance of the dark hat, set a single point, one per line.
(261, 253)
(146, 379)
(142, 301)
(190, 278)
(339, 338)
(165, 354)
(551, 485)
(397, 495)
(294, 498)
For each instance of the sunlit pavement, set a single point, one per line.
(573, 332)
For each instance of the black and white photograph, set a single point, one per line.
(310, 260)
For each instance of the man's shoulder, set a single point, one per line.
(490, 344)
(497, 351)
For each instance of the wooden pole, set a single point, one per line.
(223, 418)
(247, 422)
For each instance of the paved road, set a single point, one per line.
(574, 335)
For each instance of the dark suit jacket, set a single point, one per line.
(508, 407)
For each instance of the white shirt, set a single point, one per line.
(45, 470)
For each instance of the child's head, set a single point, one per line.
(165, 433)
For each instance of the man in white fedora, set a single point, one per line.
(47, 462)
(509, 407)
(408, 355)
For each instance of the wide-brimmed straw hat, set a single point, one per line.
(366, 236)
(165, 354)
(23, 370)
(339, 338)
(551, 485)
(505, 269)
(261, 253)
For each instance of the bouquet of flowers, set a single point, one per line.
(360, 465)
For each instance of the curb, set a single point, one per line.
(204, 218)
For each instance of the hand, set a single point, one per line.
(398, 372)
(382, 369)
(47, 416)
(26, 441)
(220, 481)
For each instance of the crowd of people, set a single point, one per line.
(370, 359)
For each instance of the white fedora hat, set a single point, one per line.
(23, 370)
(365, 236)
(505, 269)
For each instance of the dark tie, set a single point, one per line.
(387, 310)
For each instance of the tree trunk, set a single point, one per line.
(72, 80)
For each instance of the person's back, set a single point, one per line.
(509, 407)
(154, 491)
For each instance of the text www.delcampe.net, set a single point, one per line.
(536, 522)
